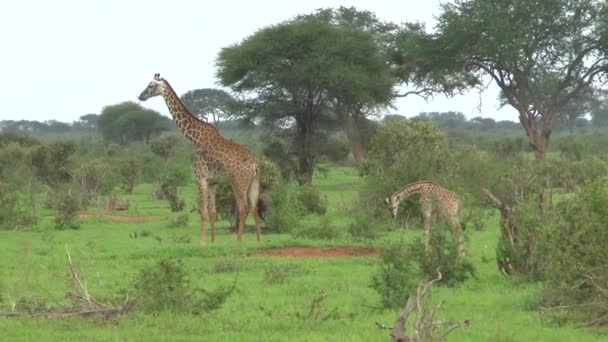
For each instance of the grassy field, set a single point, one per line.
(109, 256)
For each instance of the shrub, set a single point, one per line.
(12, 215)
(402, 266)
(279, 273)
(94, 177)
(443, 256)
(324, 231)
(576, 270)
(528, 254)
(165, 286)
(396, 275)
(363, 227)
(179, 220)
(168, 188)
(129, 174)
(164, 147)
(67, 203)
(52, 162)
(312, 200)
(284, 209)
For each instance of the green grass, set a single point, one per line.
(34, 265)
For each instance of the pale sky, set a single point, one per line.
(62, 59)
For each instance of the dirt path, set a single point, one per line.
(320, 252)
(130, 218)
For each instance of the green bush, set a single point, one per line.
(576, 270)
(12, 214)
(94, 178)
(324, 231)
(168, 188)
(528, 255)
(275, 274)
(312, 200)
(165, 286)
(442, 256)
(363, 227)
(396, 275)
(67, 203)
(284, 210)
(179, 220)
(164, 147)
(402, 266)
(129, 174)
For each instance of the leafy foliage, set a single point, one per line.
(128, 121)
(296, 69)
(165, 286)
(208, 101)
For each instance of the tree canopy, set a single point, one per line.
(541, 54)
(129, 121)
(208, 101)
(289, 75)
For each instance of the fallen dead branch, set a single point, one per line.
(88, 305)
(425, 324)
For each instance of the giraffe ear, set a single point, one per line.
(387, 201)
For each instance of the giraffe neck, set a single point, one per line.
(197, 131)
(412, 188)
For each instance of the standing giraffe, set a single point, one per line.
(215, 158)
(448, 202)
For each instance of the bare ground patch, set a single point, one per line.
(320, 252)
(130, 218)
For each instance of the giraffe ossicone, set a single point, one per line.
(215, 158)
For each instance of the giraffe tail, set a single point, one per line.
(261, 208)
(255, 200)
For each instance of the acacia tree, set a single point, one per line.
(541, 54)
(209, 101)
(128, 121)
(289, 74)
(350, 109)
(580, 105)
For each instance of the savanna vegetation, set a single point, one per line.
(99, 222)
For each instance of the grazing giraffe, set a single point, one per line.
(215, 158)
(448, 202)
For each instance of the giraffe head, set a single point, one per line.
(154, 88)
(392, 207)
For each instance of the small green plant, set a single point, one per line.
(276, 274)
(326, 230)
(225, 265)
(317, 310)
(178, 221)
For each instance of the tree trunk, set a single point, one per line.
(306, 159)
(354, 138)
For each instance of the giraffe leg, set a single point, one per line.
(253, 196)
(241, 204)
(457, 227)
(212, 211)
(426, 209)
(203, 195)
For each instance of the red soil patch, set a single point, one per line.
(130, 218)
(320, 252)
